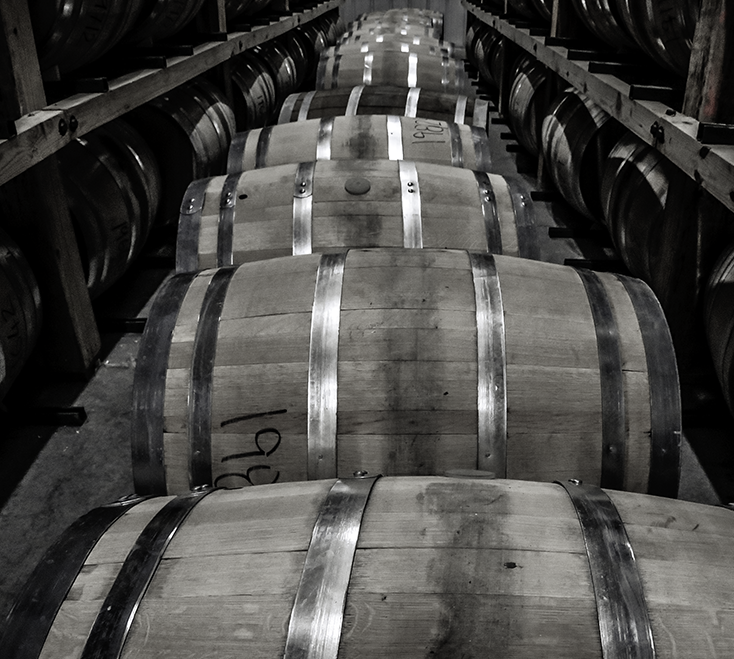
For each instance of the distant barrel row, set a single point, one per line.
(662, 29)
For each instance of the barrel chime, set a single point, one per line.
(360, 327)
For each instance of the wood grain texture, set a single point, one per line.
(406, 369)
(443, 567)
(360, 137)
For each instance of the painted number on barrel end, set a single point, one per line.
(426, 131)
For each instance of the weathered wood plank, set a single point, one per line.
(711, 71)
(21, 88)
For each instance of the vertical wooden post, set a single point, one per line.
(212, 17)
(711, 72)
(697, 227)
(36, 211)
(564, 20)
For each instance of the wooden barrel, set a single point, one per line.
(405, 361)
(189, 129)
(20, 311)
(485, 50)
(250, 216)
(577, 136)
(407, 16)
(375, 99)
(113, 187)
(544, 8)
(634, 188)
(161, 19)
(282, 67)
(408, 567)
(718, 316)
(663, 28)
(602, 18)
(403, 30)
(370, 137)
(526, 102)
(253, 89)
(394, 41)
(395, 68)
(241, 9)
(404, 45)
(75, 32)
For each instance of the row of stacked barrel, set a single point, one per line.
(354, 356)
(124, 180)
(661, 30)
(608, 175)
(72, 34)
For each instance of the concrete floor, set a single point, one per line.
(73, 469)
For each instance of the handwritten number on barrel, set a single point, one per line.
(260, 450)
(423, 129)
(261, 445)
(247, 475)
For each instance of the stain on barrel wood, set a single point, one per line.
(442, 566)
(407, 327)
(373, 137)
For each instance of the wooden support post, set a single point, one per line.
(565, 21)
(36, 211)
(212, 17)
(21, 89)
(697, 227)
(711, 72)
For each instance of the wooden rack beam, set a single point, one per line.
(45, 131)
(672, 133)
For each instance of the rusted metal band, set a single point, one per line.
(412, 69)
(323, 140)
(236, 153)
(457, 149)
(480, 117)
(306, 105)
(149, 386)
(411, 102)
(528, 246)
(263, 143)
(410, 197)
(624, 621)
(367, 69)
(662, 376)
(481, 149)
(189, 226)
(322, 367)
(491, 366)
(35, 609)
(315, 626)
(394, 137)
(492, 229)
(110, 629)
(460, 112)
(353, 103)
(225, 228)
(286, 111)
(201, 383)
(611, 382)
(303, 208)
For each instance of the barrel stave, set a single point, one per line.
(407, 323)
(441, 564)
